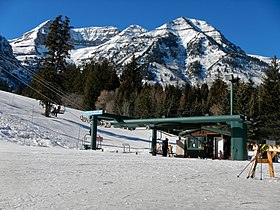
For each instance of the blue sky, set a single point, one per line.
(254, 25)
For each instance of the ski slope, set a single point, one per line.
(22, 121)
(43, 167)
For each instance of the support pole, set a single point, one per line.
(154, 142)
(232, 80)
(231, 97)
(238, 141)
(270, 163)
(93, 132)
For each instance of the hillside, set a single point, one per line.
(22, 122)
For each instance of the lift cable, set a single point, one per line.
(42, 82)
(54, 102)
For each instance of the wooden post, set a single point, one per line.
(269, 157)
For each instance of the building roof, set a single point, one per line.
(214, 130)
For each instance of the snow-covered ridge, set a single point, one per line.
(90, 33)
(32, 35)
(186, 49)
(92, 36)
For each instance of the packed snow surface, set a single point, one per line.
(43, 167)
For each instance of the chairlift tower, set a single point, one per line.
(232, 79)
(238, 145)
(175, 124)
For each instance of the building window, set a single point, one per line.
(195, 142)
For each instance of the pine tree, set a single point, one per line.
(186, 101)
(198, 105)
(204, 92)
(130, 87)
(92, 86)
(204, 99)
(48, 80)
(270, 103)
(171, 98)
(246, 103)
(109, 77)
(144, 106)
(218, 98)
(270, 90)
(78, 84)
(70, 75)
(246, 99)
(58, 44)
(4, 86)
(156, 95)
(98, 77)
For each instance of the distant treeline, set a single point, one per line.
(97, 86)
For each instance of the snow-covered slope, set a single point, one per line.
(38, 171)
(183, 50)
(22, 122)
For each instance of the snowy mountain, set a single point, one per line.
(10, 68)
(183, 50)
(30, 45)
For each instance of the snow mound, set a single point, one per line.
(25, 132)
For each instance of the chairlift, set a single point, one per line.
(59, 109)
(62, 109)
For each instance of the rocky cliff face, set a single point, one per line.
(10, 70)
(92, 36)
(5, 48)
(183, 50)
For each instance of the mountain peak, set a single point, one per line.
(133, 30)
(32, 34)
(183, 23)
